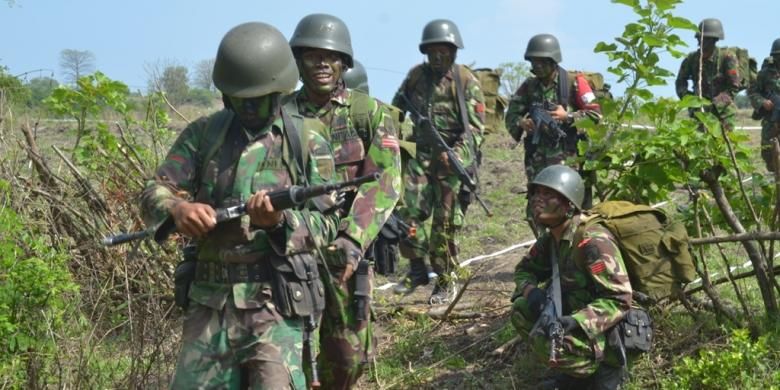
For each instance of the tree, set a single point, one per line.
(169, 78)
(76, 63)
(512, 76)
(40, 88)
(202, 77)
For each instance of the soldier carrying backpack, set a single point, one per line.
(575, 300)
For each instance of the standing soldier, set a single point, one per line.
(240, 328)
(445, 97)
(364, 141)
(593, 294)
(718, 80)
(550, 93)
(765, 96)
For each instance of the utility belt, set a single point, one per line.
(227, 273)
(634, 333)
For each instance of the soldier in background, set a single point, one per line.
(561, 96)
(238, 332)
(364, 141)
(446, 96)
(764, 96)
(595, 292)
(720, 80)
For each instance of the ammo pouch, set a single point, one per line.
(636, 330)
(297, 288)
(183, 276)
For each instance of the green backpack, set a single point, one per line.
(654, 248)
(747, 66)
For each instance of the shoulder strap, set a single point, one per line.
(461, 96)
(563, 87)
(295, 139)
(216, 130)
(360, 114)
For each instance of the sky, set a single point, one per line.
(127, 37)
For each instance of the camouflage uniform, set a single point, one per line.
(596, 292)
(429, 187)
(720, 82)
(767, 83)
(347, 343)
(234, 328)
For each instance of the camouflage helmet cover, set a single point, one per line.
(563, 180)
(254, 60)
(543, 46)
(775, 47)
(710, 28)
(356, 77)
(440, 31)
(323, 31)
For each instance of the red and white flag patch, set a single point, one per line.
(598, 267)
(390, 142)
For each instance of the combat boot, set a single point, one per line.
(417, 276)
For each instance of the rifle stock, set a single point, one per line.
(282, 199)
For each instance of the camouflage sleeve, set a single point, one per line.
(475, 104)
(683, 75)
(375, 201)
(324, 227)
(533, 267)
(612, 289)
(398, 99)
(516, 110)
(757, 90)
(730, 69)
(174, 179)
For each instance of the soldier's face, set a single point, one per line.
(321, 70)
(253, 113)
(708, 44)
(440, 56)
(542, 68)
(549, 208)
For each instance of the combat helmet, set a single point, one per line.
(711, 28)
(356, 77)
(440, 31)
(563, 180)
(254, 60)
(543, 46)
(775, 47)
(323, 31)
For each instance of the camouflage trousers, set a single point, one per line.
(346, 343)
(769, 130)
(430, 190)
(577, 357)
(233, 348)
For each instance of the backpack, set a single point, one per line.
(495, 104)
(596, 82)
(747, 67)
(655, 249)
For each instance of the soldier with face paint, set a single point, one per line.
(364, 141)
(720, 80)
(450, 96)
(595, 288)
(240, 330)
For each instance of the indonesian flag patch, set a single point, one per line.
(479, 108)
(598, 267)
(390, 142)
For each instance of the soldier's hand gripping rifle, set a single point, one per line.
(280, 199)
(774, 116)
(441, 146)
(545, 124)
(549, 323)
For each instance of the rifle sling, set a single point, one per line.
(461, 96)
(563, 87)
(556, 279)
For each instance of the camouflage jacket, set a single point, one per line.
(243, 163)
(533, 91)
(767, 83)
(437, 99)
(720, 74)
(595, 288)
(359, 151)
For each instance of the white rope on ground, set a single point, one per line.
(645, 127)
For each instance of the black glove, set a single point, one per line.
(568, 323)
(536, 300)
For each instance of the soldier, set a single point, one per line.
(240, 328)
(449, 95)
(720, 79)
(560, 96)
(763, 95)
(364, 140)
(595, 288)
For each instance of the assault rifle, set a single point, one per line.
(441, 146)
(281, 200)
(549, 323)
(544, 123)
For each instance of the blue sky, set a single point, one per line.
(128, 36)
